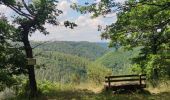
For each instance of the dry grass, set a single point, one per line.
(161, 88)
(95, 92)
(91, 87)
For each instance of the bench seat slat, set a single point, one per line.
(120, 80)
(125, 76)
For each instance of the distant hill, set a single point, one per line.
(70, 62)
(118, 61)
(82, 49)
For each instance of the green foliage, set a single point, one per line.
(6, 80)
(152, 63)
(97, 8)
(82, 49)
(47, 87)
(119, 61)
(61, 66)
(145, 24)
(12, 60)
(44, 88)
(97, 72)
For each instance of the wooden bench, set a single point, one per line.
(127, 82)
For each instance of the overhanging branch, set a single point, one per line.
(20, 12)
(25, 5)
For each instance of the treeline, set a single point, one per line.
(81, 49)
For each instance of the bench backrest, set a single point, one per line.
(124, 78)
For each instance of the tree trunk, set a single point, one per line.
(154, 51)
(31, 72)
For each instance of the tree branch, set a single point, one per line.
(27, 8)
(160, 25)
(153, 4)
(20, 12)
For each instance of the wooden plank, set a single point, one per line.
(124, 76)
(120, 80)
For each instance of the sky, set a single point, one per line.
(86, 30)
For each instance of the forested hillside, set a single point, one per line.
(70, 62)
(118, 61)
(76, 62)
(81, 49)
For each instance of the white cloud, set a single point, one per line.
(86, 31)
(111, 15)
(2, 8)
(65, 34)
(5, 10)
(97, 1)
(73, 1)
(64, 6)
(85, 21)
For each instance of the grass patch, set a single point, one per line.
(54, 91)
(89, 95)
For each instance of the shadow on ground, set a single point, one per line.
(104, 95)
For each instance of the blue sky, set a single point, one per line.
(86, 30)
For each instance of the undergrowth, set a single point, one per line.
(56, 91)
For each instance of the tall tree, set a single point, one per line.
(142, 23)
(30, 16)
(146, 24)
